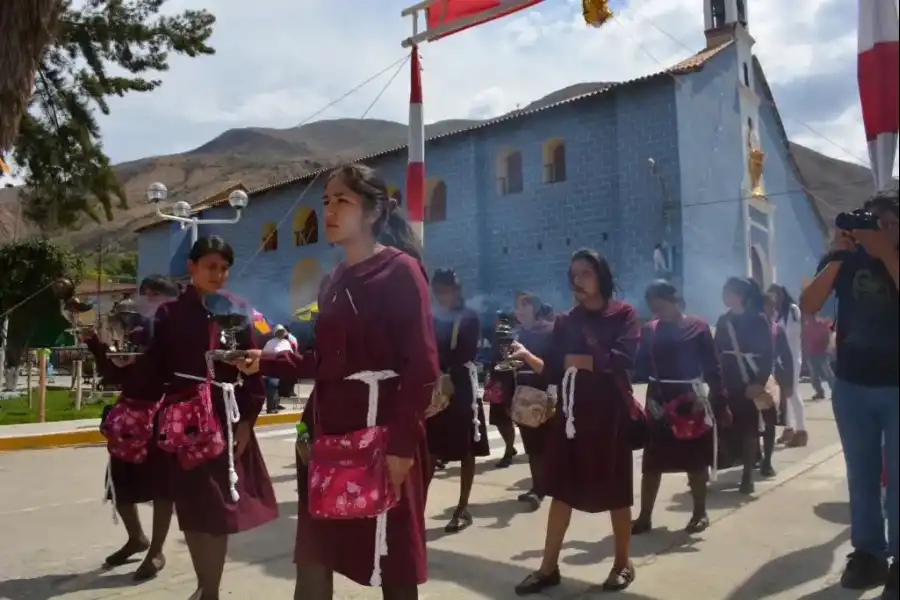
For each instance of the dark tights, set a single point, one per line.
(316, 582)
(507, 433)
(650, 488)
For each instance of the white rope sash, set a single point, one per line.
(372, 379)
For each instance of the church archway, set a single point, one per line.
(305, 226)
(269, 236)
(435, 201)
(510, 172)
(554, 155)
(305, 280)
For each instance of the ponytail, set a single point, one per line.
(396, 232)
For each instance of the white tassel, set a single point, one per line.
(233, 417)
(473, 381)
(568, 405)
(110, 492)
(381, 548)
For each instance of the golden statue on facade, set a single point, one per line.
(755, 159)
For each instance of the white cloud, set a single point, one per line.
(278, 61)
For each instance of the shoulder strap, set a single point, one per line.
(454, 337)
(735, 347)
(652, 336)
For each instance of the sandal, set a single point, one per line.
(460, 521)
(698, 524)
(641, 525)
(124, 554)
(619, 579)
(537, 582)
(150, 567)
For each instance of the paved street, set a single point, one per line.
(787, 544)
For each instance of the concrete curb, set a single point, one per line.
(92, 437)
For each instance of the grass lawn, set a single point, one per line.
(59, 408)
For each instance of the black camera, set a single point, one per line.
(858, 219)
(504, 336)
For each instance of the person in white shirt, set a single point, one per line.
(788, 315)
(280, 342)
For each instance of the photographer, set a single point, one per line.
(862, 271)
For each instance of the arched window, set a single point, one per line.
(436, 201)
(395, 193)
(305, 227)
(554, 152)
(510, 173)
(269, 236)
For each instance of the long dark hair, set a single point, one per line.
(606, 284)
(212, 244)
(783, 306)
(159, 284)
(749, 291)
(389, 228)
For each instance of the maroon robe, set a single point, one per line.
(181, 337)
(134, 483)
(451, 432)
(375, 315)
(593, 472)
(679, 351)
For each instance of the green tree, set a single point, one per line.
(100, 49)
(27, 269)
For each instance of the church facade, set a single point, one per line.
(684, 174)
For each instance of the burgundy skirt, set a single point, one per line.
(451, 433)
(348, 546)
(664, 453)
(148, 481)
(593, 471)
(203, 500)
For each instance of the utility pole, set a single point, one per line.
(4, 322)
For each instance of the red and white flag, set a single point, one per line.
(453, 16)
(879, 83)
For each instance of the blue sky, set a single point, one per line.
(278, 64)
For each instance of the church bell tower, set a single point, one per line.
(726, 21)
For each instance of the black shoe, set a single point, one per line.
(892, 588)
(531, 499)
(864, 571)
(619, 579)
(767, 471)
(537, 582)
(641, 525)
(460, 521)
(747, 486)
(698, 524)
(507, 459)
(819, 397)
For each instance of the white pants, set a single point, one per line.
(796, 412)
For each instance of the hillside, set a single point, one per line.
(258, 156)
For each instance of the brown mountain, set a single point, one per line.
(257, 156)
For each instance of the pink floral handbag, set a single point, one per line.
(348, 475)
(188, 425)
(128, 429)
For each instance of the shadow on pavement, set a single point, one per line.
(500, 512)
(47, 587)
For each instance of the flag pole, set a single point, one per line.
(415, 169)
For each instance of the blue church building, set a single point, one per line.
(684, 174)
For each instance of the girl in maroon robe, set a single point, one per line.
(534, 333)
(588, 463)
(498, 416)
(375, 315)
(459, 432)
(744, 369)
(677, 352)
(203, 497)
(138, 483)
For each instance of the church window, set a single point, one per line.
(746, 75)
(269, 237)
(554, 153)
(510, 173)
(305, 227)
(436, 201)
(718, 13)
(750, 123)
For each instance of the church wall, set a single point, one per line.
(710, 146)
(163, 250)
(499, 243)
(799, 239)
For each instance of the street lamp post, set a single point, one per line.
(181, 211)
